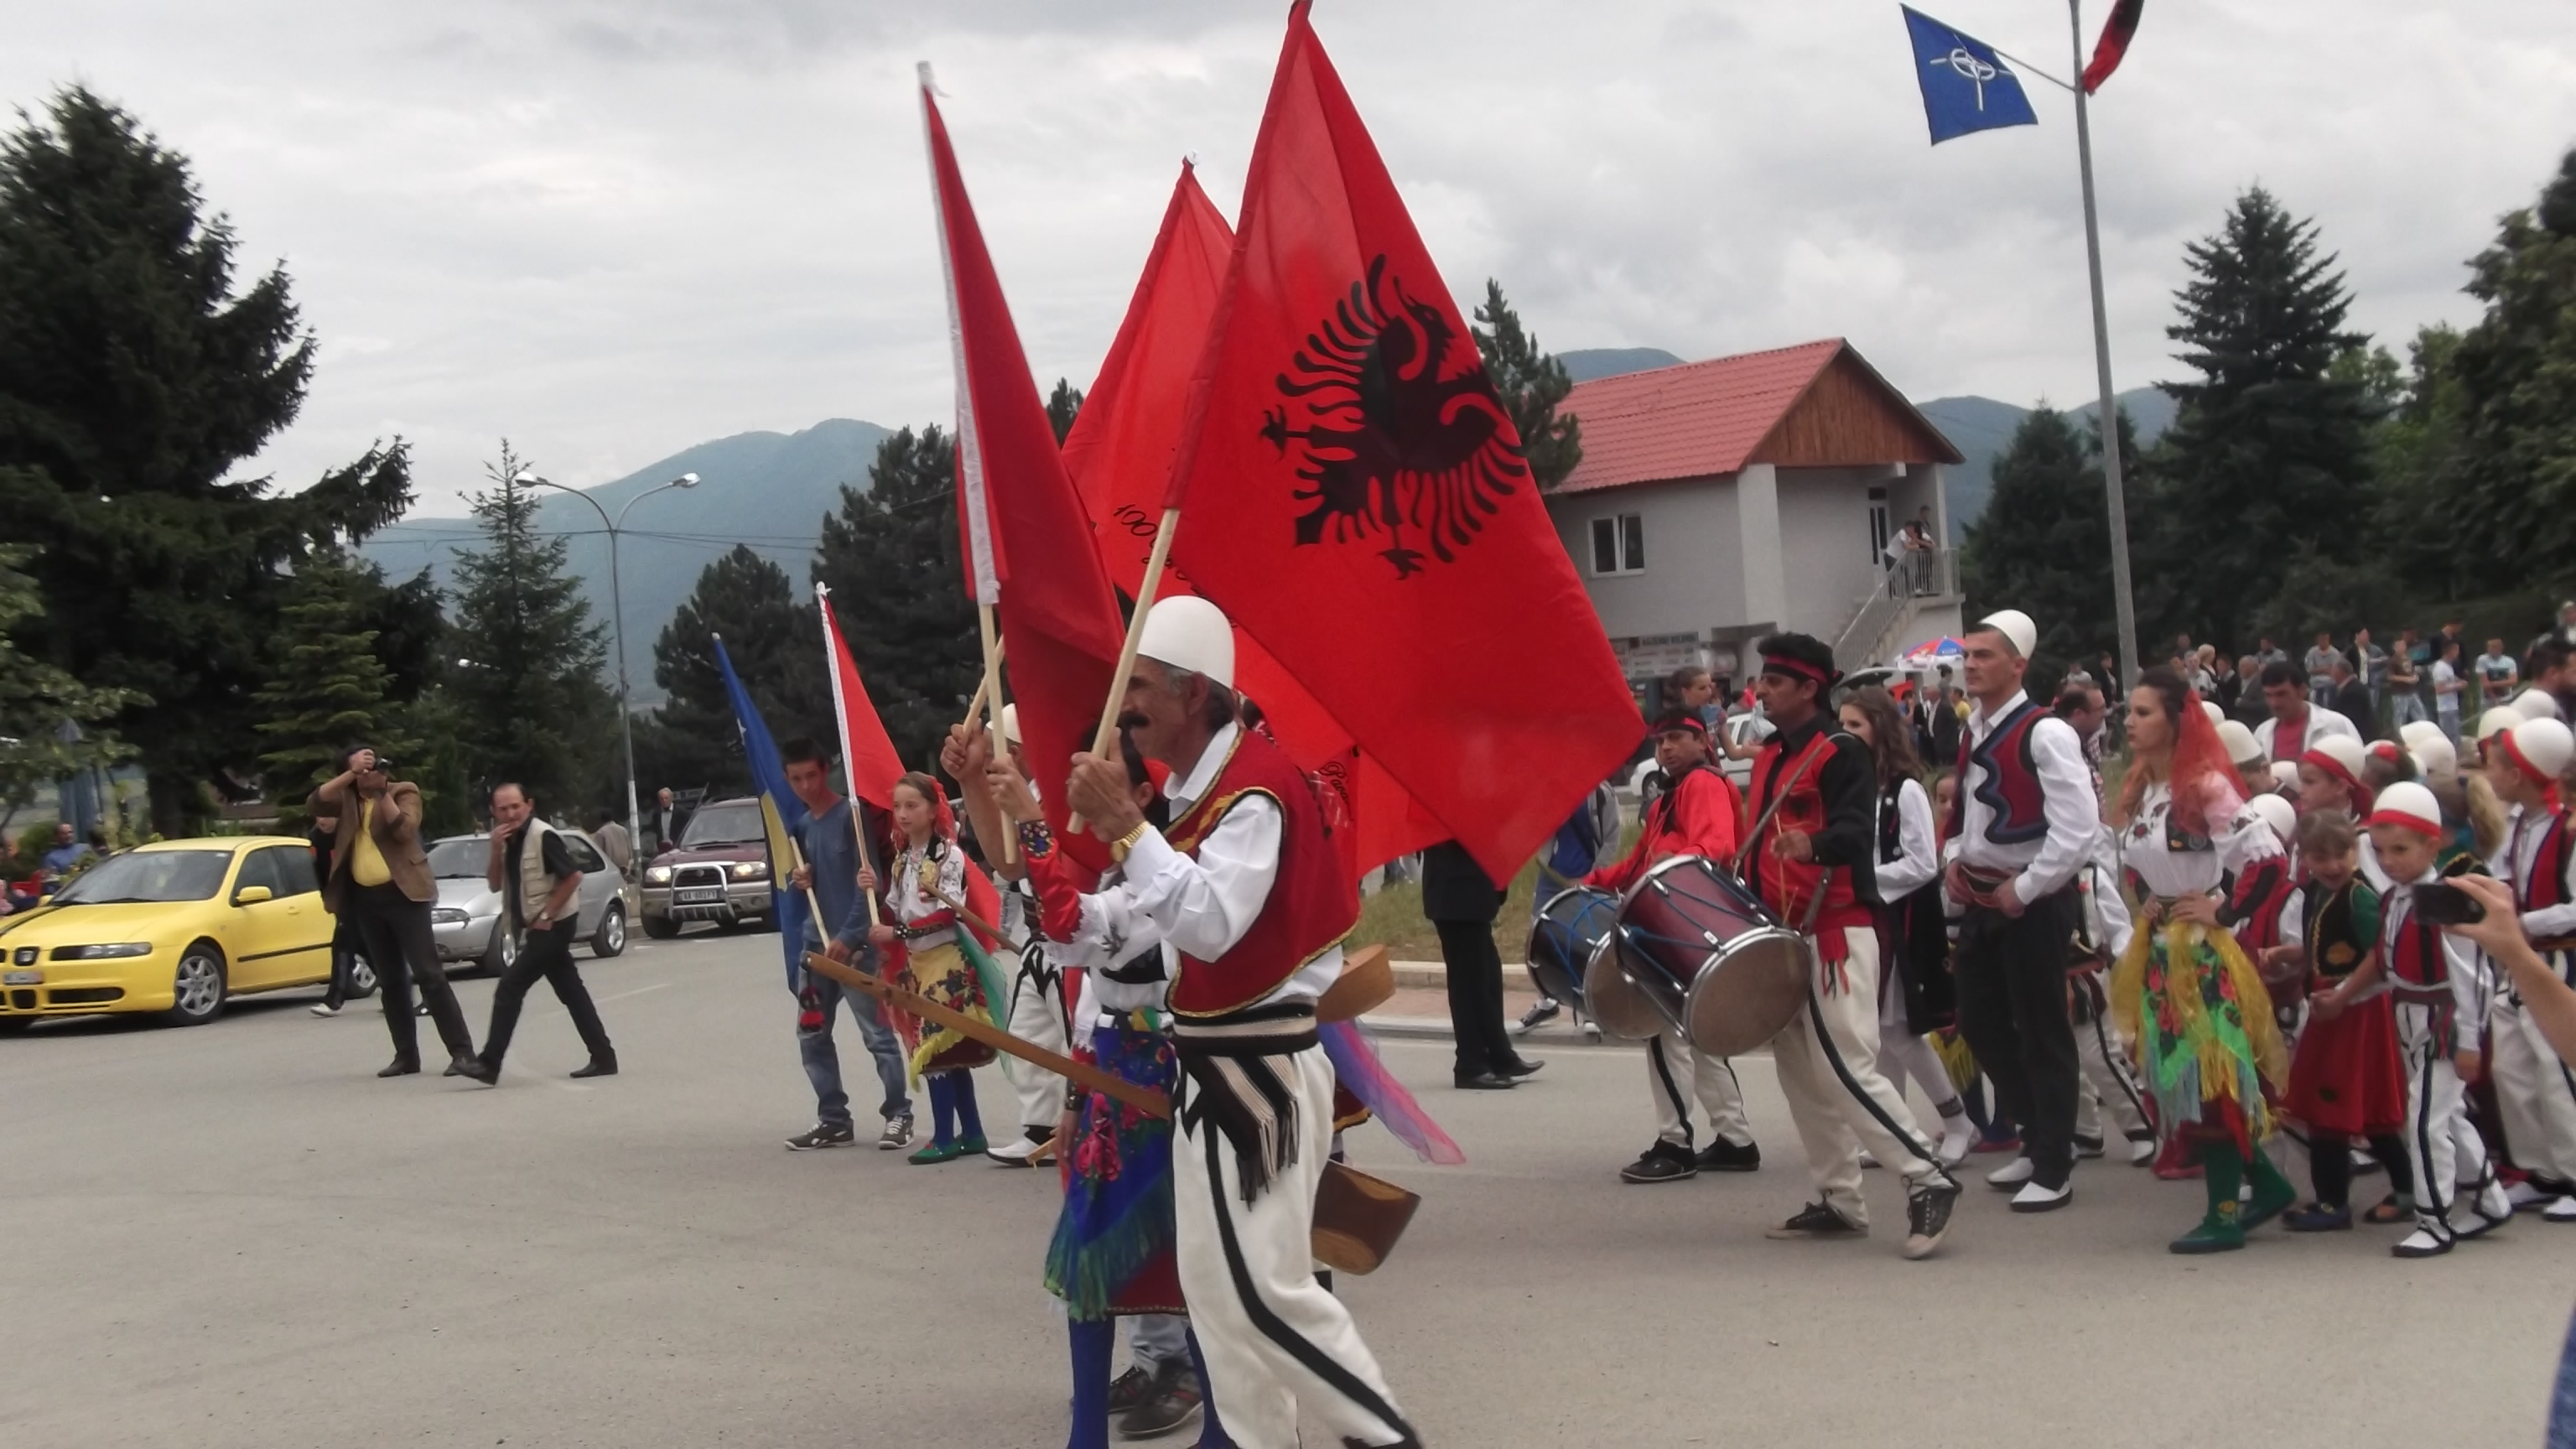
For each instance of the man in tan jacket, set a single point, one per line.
(380, 880)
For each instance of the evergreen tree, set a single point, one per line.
(1532, 383)
(2271, 449)
(891, 560)
(1063, 406)
(526, 686)
(2424, 534)
(40, 705)
(2043, 544)
(2512, 474)
(776, 644)
(134, 377)
(331, 687)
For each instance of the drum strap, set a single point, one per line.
(1779, 797)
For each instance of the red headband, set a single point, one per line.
(2547, 782)
(2364, 797)
(2429, 829)
(1783, 664)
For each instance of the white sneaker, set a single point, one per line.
(1015, 1153)
(2422, 1243)
(2523, 1194)
(2561, 1211)
(2142, 1152)
(2012, 1174)
(2490, 1209)
(2036, 1199)
(1958, 1139)
(324, 1008)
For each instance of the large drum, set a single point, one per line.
(1571, 926)
(1694, 950)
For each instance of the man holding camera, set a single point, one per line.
(380, 879)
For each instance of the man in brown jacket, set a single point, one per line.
(380, 880)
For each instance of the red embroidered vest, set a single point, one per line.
(2544, 883)
(1788, 887)
(1312, 905)
(2412, 949)
(2010, 787)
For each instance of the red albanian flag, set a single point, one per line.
(1057, 614)
(867, 755)
(2113, 47)
(1120, 455)
(1353, 495)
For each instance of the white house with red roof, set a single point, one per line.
(1723, 500)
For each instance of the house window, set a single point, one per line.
(1619, 544)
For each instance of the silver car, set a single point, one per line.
(470, 918)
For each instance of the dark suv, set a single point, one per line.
(720, 872)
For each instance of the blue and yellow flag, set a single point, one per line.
(780, 810)
(1966, 86)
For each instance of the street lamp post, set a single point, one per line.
(617, 622)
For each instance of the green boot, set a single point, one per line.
(2273, 1194)
(2223, 1230)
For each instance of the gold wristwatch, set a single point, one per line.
(1118, 848)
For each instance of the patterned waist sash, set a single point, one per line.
(1235, 1069)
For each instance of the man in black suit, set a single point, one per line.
(2351, 697)
(664, 822)
(1460, 901)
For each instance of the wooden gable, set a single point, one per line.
(1849, 417)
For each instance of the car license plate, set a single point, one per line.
(23, 978)
(703, 895)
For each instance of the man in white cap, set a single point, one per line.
(2535, 1094)
(1246, 895)
(1038, 1007)
(2295, 724)
(2022, 823)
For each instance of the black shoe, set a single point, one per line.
(1130, 1389)
(2088, 1146)
(1520, 1067)
(476, 1069)
(1725, 1156)
(401, 1067)
(1663, 1162)
(1167, 1406)
(598, 1067)
(826, 1134)
(1483, 1082)
(1816, 1220)
(1927, 1216)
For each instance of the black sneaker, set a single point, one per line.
(1541, 1012)
(897, 1134)
(1130, 1389)
(1725, 1156)
(1663, 1162)
(2088, 1146)
(1927, 1216)
(1816, 1220)
(1172, 1400)
(825, 1134)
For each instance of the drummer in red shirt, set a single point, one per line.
(1813, 853)
(1699, 813)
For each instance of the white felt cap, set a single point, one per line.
(2285, 773)
(2535, 704)
(2209, 709)
(2016, 626)
(2349, 754)
(2546, 745)
(2241, 746)
(2411, 805)
(1187, 632)
(2495, 721)
(2414, 733)
(1010, 724)
(2277, 812)
(2434, 755)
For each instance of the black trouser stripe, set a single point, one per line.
(2119, 1068)
(1672, 1092)
(1851, 1084)
(2441, 1211)
(1275, 1328)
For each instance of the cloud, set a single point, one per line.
(610, 230)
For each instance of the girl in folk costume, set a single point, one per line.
(2344, 1078)
(2183, 989)
(2440, 988)
(921, 942)
(2332, 778)
(1914, 989)
(2535, 1096)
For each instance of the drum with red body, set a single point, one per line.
(1696, 951)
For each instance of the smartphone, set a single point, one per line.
(2439, 904)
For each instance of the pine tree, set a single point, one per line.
(891, 560)
(2043, 544)
(2424, 533)
(1063, 406)
(1532, 383)
(776, 645)
(331, 688)
(531, 706)
(2512, 475)
(134, 377)
(40, 705)
(2271, 450)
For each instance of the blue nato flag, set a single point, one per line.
(1966, 86)
(780, 810)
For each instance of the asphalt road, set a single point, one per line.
(236, 1235)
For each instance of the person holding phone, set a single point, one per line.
(380, 877)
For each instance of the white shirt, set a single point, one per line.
(2445, 701)
(2237, 841)
(1204, 906)
(2467, 968)
(1918, 856)
(907, 901)
(2045, 865)
(2320, 722)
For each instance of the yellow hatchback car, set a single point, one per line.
(175, 927)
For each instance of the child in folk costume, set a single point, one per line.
(2253, 771)
(2344, 1077)
(2535, 1095)
(2197, 1007)
(928, 872)
(2440, 988)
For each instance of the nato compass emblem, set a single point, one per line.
(1976, 72)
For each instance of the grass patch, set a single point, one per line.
(1393, 917)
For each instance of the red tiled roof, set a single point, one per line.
(1701, 418)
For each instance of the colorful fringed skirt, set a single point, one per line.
(1112, 1251)
(2207, 1043)
(2345, 1076)
(943, 974)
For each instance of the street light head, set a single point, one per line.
(530, 480)
(685, 480)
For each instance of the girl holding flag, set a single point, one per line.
(927, 956)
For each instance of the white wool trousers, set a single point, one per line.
(1828, 1061)
(2535, 1095)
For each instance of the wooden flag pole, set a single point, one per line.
(989, 700)
(972, 919)
(1106, 739)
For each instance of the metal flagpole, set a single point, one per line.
(2124, 601)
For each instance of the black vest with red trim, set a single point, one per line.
(2543, 883)
(2011, 787)
(2412, 949)
(1788, 887)
(1311, 906)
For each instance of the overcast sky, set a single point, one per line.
(612, 229)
